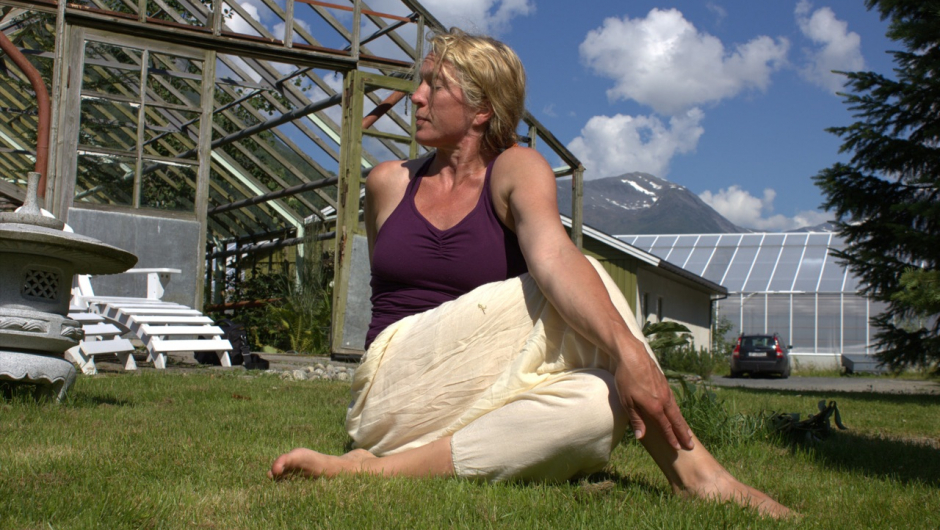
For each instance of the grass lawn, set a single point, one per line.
(173, 450)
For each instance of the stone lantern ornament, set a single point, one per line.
(37, 262)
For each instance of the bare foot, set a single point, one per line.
(312, 464)
(722, 487)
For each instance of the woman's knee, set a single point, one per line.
(601, 409)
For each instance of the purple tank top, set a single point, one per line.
(417, 267)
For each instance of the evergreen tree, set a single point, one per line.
(886, 198)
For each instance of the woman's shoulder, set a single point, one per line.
(392, 174)
(521, 164)
(518, 153)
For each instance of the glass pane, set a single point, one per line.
(111, 69)
(681, 250)
(171, 133)
(168, 187)
(663, 245)
(174, 80)
(811, 267)
(119, 7)
(105, 179)
(193, 14)
(730, 308)
(108, 125)
(707, 241)
(644, 242)
(829, 321)
(719, 264)
(679, 255)
(804, 323)
(753, 312)
(740, 267)
(785, 271)
(699, 258)
(833, 276)
(852, 283)
(778, 315)
(764, 264)
(854, 324)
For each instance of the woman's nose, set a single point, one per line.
(419, 97)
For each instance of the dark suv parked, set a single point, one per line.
(764, 354)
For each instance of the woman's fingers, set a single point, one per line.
(649, 401)
(639, 427)
(679, 426)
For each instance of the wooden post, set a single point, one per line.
(577, 210)
(347, 201)
(207, 100)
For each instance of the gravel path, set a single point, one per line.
(883, 384)
(308, 367)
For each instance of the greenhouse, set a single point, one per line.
(787, 283)
(225, 140)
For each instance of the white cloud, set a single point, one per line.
(238, 24)
(720, 13)
(834, 47)
(490, 17)
(610, 146)
(748, 211)
(663, 61)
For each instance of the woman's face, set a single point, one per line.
(442, 115)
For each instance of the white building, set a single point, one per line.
(788, 283)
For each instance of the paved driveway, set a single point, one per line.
(885, 385)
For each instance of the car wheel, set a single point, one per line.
(735, 375)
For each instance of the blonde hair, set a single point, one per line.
(490, 75)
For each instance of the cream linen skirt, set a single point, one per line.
(522, 395)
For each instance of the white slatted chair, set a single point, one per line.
(176, 328)
(101, 338)
(163, 327)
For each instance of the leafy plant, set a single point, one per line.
(664, 337)
(251, 287)
(303, 316)
(672, 344)
(689, 360)
(711, 421)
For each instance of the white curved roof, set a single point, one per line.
(757, 262)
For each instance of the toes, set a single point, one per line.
(284, 466)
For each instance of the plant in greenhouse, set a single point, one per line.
(887, 197)
(303, 315)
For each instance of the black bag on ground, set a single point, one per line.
(238, 336)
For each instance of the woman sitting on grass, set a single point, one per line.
(497, 350)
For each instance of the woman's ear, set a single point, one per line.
(483, 115)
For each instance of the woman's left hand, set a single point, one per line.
(648, 399)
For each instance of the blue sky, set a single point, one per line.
(729, 98)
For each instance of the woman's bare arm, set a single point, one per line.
(525, 184)
(385, 188)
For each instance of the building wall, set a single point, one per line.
(676, 301)
(621, 268)
(158, 242)
(680, 303)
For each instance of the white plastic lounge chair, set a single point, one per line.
(163, 327)
(177, 328)
(101, 338)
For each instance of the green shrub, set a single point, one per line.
(712, 423)
(302, 317)
(688, 360)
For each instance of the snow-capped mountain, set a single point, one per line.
(639, 203)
